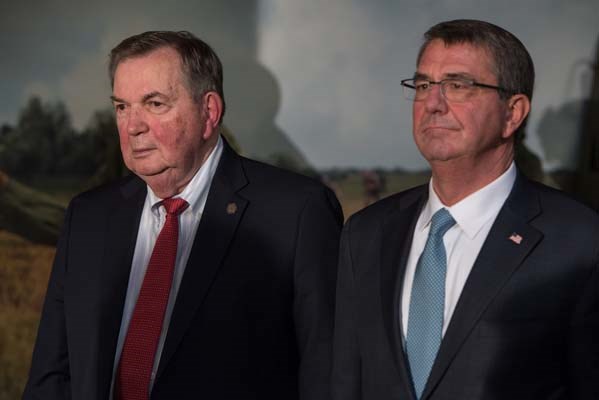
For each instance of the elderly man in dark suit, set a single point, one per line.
(481, 284)
(203, 276)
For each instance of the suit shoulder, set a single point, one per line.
(109, 192)
(277, 189)
(561, 216)
(564, 206)
(377, 212)
(263, 174)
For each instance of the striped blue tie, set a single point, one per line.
(427, 302)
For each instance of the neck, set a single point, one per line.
(454, 180)
(171, 183)
(165, 189)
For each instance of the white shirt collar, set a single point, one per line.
(473, 211)
(196, 191)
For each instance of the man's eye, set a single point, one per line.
(422, 86)
(119, 108)
(156, 106)
(457, 85)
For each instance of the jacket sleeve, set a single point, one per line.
(583, 345)
(49, 376)
(345, 381)
(315, 266)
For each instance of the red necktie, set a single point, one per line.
(139, 349)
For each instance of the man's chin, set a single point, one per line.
(147, 170)
(162, 184)
(441, 154)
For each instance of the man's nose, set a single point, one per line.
(435, 102)
(136, 123)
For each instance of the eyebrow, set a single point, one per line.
(117, 100)
(145, 98)
(418, 75)
(459, 75)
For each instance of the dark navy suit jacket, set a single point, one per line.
(253, 316)
(525, 327)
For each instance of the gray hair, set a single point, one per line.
(512, 63)
(201, 66)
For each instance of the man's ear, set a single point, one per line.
(212, 107)
(518, 107)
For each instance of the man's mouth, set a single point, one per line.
(142, 152)
(437, 128)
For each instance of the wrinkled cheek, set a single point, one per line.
(177, 126)
(166, 143)
(420, 138)
(171, 134)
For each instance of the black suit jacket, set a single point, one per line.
(253, 315)
(525, 327)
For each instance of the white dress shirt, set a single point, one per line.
(474, 216)
(153, 217)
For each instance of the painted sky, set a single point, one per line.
(332, 67)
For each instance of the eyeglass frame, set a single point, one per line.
(472, 82)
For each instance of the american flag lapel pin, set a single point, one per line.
(514, 237)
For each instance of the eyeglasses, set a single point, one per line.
(453, 89)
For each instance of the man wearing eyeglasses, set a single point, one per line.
(481, 284)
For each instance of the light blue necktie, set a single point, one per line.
(427, 302)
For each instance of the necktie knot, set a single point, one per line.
(174, 206)
(441, 222)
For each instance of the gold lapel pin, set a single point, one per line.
(231, 208)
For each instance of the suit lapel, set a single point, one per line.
(397, 232)
(120, 236)
(497, 261)
(217, 228)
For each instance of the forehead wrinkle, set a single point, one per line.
(447, 75)
(171, 94)
(489, 61)
(152, 78)
(461, 49)
(420, 75)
